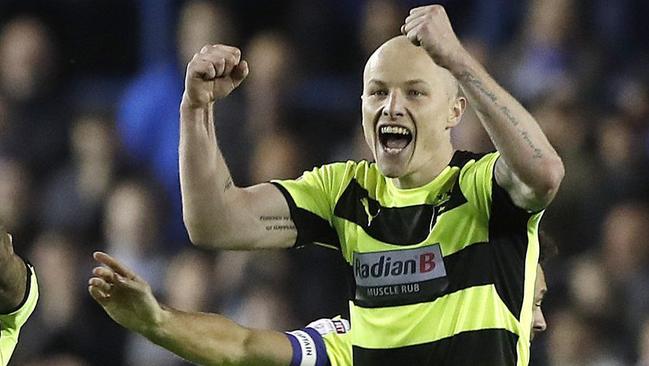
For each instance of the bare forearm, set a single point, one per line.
(211, 339)
(204, 176)
(513, 130)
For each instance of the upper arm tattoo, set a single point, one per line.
(277, 223)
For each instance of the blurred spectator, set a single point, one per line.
(590, 287)
(16, 197)
(470, 135)
(186, 287)
(73, 199)
(574, 341)
(570, 217)
(132, 230)
(148, 114)
(625, 251)
(624, 175)
(543, 64)
(262, 300)
(277, 156)
(381, 20)
(626, 260)
(490, 24)
(271, 62)
(59, 359)
(61, 323)
(33, 124)
(187, 281)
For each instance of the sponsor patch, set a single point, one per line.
(328, 326)
(399, 277)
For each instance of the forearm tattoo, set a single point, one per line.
(228, 184)
(491, 95)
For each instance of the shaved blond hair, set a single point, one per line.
(401, 48)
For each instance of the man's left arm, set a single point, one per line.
(529, 168)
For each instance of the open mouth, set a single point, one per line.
(394, 138)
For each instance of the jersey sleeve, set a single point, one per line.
(11, 323)
(477, 181)
(323, 342)
(311, 199)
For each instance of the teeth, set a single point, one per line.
(395, 129)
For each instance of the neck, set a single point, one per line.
(428, 171)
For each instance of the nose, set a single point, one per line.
(394, 106)
(539, 322)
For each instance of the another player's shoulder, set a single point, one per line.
(16, 317)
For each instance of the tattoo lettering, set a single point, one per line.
(471, 79)
(228, 184)
(277, 223)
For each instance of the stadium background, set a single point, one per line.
(89, 93)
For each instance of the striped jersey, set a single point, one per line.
(441, 274)
(11, 323)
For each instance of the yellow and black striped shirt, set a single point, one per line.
(442, 274)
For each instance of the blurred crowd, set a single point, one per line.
(89, 96)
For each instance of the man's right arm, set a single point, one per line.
(216, 212)
(202, 338)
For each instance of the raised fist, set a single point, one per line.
(213, 73)
(430, 28)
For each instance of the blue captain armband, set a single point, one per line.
(308, 348)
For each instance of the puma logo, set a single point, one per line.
(440, 207)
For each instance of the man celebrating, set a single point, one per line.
(18, 295)
(442, 244)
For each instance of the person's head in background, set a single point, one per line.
(202, 22)
(27, 58)
(95, 149)
(14, 193)
(131, 219)
(548, 249)
(624, 250)
(57, 258)
(381, 21)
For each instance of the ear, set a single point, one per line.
(456, 111)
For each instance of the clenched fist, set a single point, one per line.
(212, 74)
(430, 28)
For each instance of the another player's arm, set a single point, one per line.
(206, 339)
(217, 213)
(530, 169)
(13, 275)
